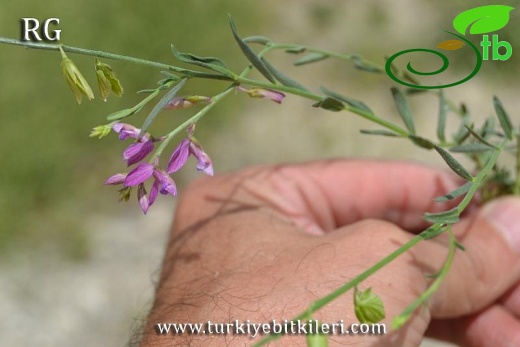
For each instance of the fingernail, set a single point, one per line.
(504, 214)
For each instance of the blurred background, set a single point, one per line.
(76, 267)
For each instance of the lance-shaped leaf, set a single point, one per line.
(211, 63)
(361, 64)
(249, 53)
(503, 118)
(441, 121)
(483, 19)
(258, 39)
(296, 50)
(330, 104)
(349, 101)
(123, 113)
(404, 109)
(421, 142)
(381, 132)
(310, 58)
(160, 105)
(455, 193)
(453, 163)
(479, 137)
(283, 79)
(446, 217)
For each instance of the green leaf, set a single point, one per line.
(330, 104)
(160, 105)
(361, 64)
(123, 113)
(296, 50)
(283, 79)
(483, 19)
(441, 122)
(421, 142)
(170, 76)
(310, 58)
(455, 193)
(503, 118)
(404, 109)
(211, 63)
(453, 163)
(446, 217)
(250, 54)
(349, 101)
(382, 132)
(479, 137)
(257, 39)
(317, 340)
(471, 148)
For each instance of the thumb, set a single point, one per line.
(488, 267)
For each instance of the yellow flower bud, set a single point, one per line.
(75, 79)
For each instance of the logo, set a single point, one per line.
(479, 21)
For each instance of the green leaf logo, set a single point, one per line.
(482, 20)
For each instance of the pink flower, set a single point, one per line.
(137, 151)
(180, 102)
(163, 183)
(263, 93)
(188, 146)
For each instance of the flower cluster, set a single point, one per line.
(162, 181)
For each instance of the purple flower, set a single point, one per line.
(263, 93)
(137, 151)
(163, 183)
(189, 146)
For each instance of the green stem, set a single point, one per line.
(400, 320)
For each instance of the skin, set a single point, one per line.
(265, 242)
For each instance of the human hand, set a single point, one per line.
(264, 243)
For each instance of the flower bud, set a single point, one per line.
(107, 80)
(368, 306)
(75, 79)
(101, 131)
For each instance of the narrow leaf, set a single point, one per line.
(453, 163)
(283, 79)
(160, 105)
(382, 132)
(249, 53)
(404, 109)
(349, 101)
(479, 137)
(330, 104)
(441, 122)
(122, 113)
(210, 63)
(169, 75)
(296, 50)
(421, 142)
(455, 193)
(446, 217)
(258, 39)
(505, 121)
(471, 148)
(361, 64)
(310, 58)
